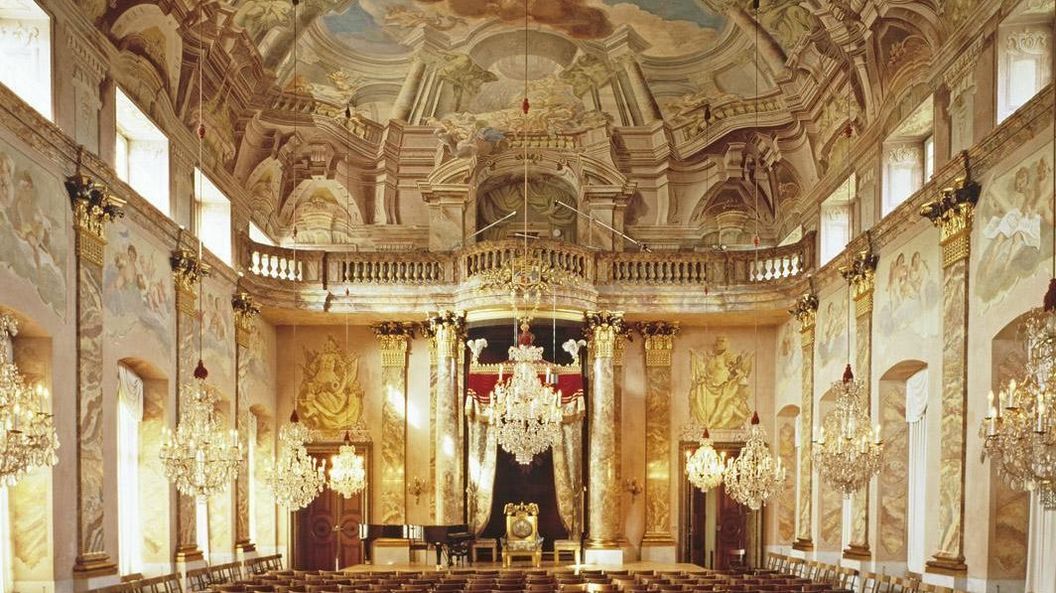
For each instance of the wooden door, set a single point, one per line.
(326, 532)
(697, 537)
(731, 528)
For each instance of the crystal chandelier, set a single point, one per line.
(526, 411)
(754, 475)
(1020, 431)
(348, 473)
(200, 457)
(27, 429)
(848, 451)
(297, 477)
(704, 466)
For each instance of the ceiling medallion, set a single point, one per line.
(297, 477)
(27, 429)
(755, 474)
(848, 451)
(348, 473)
(1020, 431)
(200, 457)
(705, 466)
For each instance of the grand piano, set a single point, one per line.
(452, 541)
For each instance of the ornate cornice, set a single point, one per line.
(394, 339)
(93, 208)
(448, 329)
(953, 214)
(246, 310)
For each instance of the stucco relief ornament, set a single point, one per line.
(330, 397)
(719, 395)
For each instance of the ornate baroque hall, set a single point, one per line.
(527, 296)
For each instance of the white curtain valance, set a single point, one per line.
(916, 396)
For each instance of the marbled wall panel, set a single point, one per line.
(893, 479)
(153, 485)
(951, 484)
(785, 503)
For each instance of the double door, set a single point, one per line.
(714, 526)
(326, 532)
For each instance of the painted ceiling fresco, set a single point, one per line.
(671, 27)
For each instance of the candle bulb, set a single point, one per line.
(878, 440)
(990, 402)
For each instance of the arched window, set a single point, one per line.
(129, 417)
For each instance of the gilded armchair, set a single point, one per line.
(522, 533)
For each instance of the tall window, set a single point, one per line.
(1024, 66)
(835, 228)
(909, 156)
(916, 518)
(214, 212)
(129, 417)
(25, 44)
(141, 154)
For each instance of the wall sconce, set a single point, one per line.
(634, 487)
(416, 488)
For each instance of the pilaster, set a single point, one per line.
(953, 213)
(393, 341)
(861, 275)
(94, 207)
(659, 339)
(805, 310)
(246, 313)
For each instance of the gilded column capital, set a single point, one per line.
(187, 272)
(447, 328)
(394, 337)
(659, 341)
(246, 310)
(953, 214)
(805, 310)
(93, 208)
(861, 275)
(603, 328)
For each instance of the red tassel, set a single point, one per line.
(294, 417)
(200, 372)
(201, 131)
(1050, 296)
(848, 375)
(755, 418)
(707, 434)
(524, 105)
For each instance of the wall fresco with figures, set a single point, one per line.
(138, 289)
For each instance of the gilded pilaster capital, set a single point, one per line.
(187, 272)
(659, 341)
(394, 337)
(805, 310)
(861, 275)
(93, 208)
(447, 328)
(953, 213)
(246, 310)
(603, 328)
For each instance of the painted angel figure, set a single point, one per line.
(719, 396)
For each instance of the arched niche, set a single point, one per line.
(547, 217)
(30, 516)
(1009, 509)
(785, 427)
(894, 478)
(157, 539)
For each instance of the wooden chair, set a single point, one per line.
(522, 533)
(198, 579)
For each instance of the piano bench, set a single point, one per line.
(487, 543)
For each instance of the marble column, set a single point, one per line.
(861, 275)
(393, 341)
(806, 312)
(658, 543)
(246, 313)
(448, 329)
(187, 273)
(404, 104)
(604, 328)
(953, 214)
(93, 209)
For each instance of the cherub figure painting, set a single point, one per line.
(719, 392)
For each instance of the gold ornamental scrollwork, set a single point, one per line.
(93, 208)
(187, 272)
(393, 339)
(953, 214)
(246, 310)
(330, 396)
(659, 341)
(603, 328)
(805, 310)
